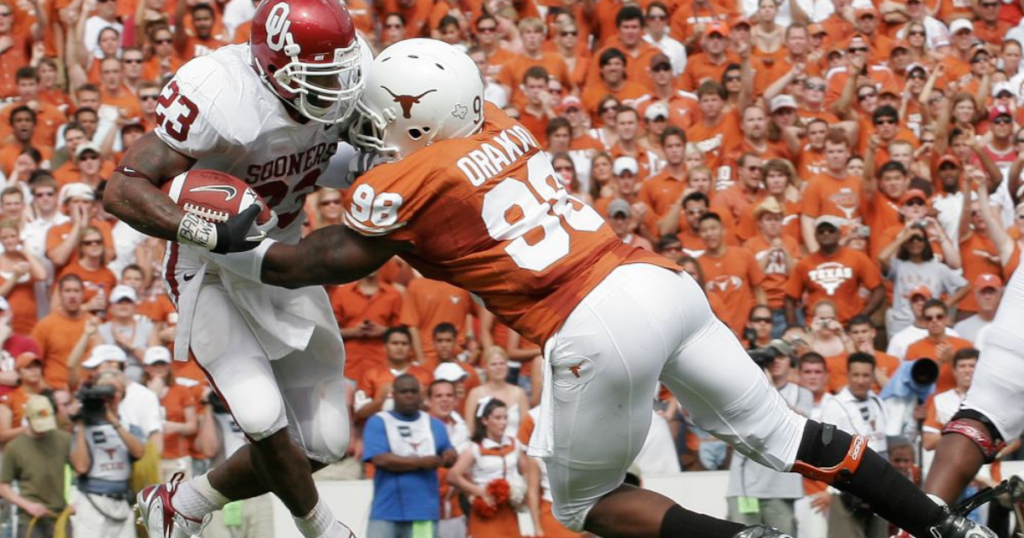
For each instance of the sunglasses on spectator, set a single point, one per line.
(335, 201)
(131, 60)
(855, 50)
(989, 5)
(393, 26)
(486, 29)
(732, 78)
(863, 96)
(653, 17)
(916, 239)
(609, 108)
(89, 157)
(91, 242)
(885, 121)
(979, 58)
(916, 32)
(162, 41)
(760, 320)
(1003, 120)
(152, 97)
(915, 202)
(5, 13)
(919, 76)
(1019, 141)
(936, 317)
(814, 87)
(44, 194)
(572, 33)
(927, 140)
(662, 67)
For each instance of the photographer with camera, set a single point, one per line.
(102, 453)
(856, 409)
(757, 494)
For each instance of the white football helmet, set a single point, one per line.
(418, 91)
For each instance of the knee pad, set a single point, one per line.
(987, 439)
(257, 417)
(828, 454)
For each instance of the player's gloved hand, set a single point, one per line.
(237, 234)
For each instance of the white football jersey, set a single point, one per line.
(218, 111)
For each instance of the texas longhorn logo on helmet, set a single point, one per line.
(406, 101)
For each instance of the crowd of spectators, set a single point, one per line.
(839, 175)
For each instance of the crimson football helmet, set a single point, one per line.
(307, 52)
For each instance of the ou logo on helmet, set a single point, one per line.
(278, 27)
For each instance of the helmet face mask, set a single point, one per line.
(307, 53)
(418, 91)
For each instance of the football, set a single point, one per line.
(212, 195)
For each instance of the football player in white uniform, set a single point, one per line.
(267, 112)
(552, 269)
(992, 413)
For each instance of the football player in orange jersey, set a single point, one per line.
(468, 198)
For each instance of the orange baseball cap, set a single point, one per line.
(988, 280)
(717, 27)
(923, 291)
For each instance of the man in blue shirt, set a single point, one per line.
(406, 446)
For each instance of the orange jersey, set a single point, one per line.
(513, 236)
(926, 347)
(732, 277)
(838, 277)
(352, 308)
(775, 270)
(429, 303)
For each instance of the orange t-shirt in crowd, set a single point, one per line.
(93, 280)
(604, 20)
(427, 304)
(375, 379)
(682, 107)
(126, 103)
(992, 35)
(700, 67)
(772, 150)
(926, 347)
(525, 283)
(158, 309)
(737, 201)
(416, 15)
(196, 47)
(15, 400)
(838, 278)
(979, 255)
(775, 66)
(351, 309)
(56, 235)
(837, 370)
(659, 192)
(880, 213)
(732, 277)
(48, 121)
(827, 195)
(57, 335)
(594, 93)
(887, 364)
(15, 57)
(747, 225)
(882, 76)
(9, 156)
(151, 69)
(537, 125)
(515, 68)
(173, 405)
(714, 140)
(638, 62)
(775, 272)
(68, 172)
(22, 301)
(811, 161)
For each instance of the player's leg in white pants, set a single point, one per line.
(640, 324)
